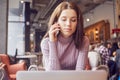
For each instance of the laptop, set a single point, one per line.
(62, 75)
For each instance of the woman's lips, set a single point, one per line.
(67, 29)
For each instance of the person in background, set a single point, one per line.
(64, 46)
(109, 46)
(114, 48)
(103, 50)
(116, 76)
(117, 60)
(97, 45)
(94, 57)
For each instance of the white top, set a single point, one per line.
(94, 59)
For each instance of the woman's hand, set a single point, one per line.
(54, 30)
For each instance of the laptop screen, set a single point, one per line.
(62, 75)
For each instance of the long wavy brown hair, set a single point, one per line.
(79, 33)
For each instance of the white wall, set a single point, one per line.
(3, 26)
(102, 12)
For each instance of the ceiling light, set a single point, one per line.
(21, 1)
(87, 19)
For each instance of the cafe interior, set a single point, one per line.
(23, 23)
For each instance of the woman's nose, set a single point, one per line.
(68, 22)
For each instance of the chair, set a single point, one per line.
(11, 69)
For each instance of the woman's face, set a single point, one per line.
(67, 22)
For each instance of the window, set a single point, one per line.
(16, 29)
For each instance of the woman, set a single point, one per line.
(64, 46)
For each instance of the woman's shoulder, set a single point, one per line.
(44, 40)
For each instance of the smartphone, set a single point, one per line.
(57, 33)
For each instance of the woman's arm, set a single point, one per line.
(83, 55)
(50, 57)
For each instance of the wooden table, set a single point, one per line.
(26, 56)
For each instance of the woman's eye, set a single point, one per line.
(73, 20)
(63, 19)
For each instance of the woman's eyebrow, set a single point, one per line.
(74, 17)
(66, 17)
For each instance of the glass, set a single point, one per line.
(15, 38)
